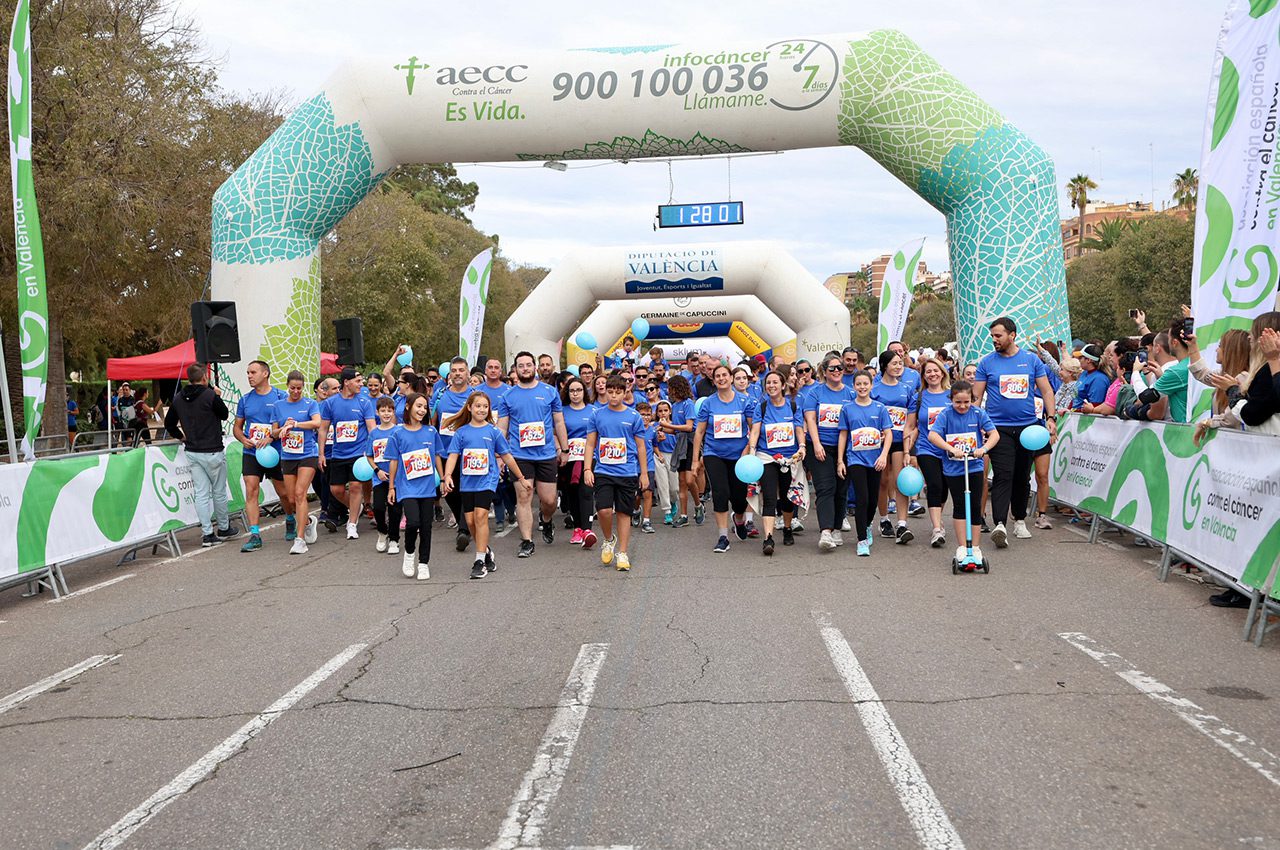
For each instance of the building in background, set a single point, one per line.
(868, 281)
(1098, 212)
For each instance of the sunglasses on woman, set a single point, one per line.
(805, 371)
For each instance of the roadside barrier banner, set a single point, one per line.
(57, 510)
(1219, 504)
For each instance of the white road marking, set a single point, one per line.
(91, 588)
(1210, 725)
(18, 697)
(120, 831)
(527, 815)
(927, 816)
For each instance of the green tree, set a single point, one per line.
(1078, 193)
(436, 188)
(1185, 187)
(1109, 232)
(931, 324)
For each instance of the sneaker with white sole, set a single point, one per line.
(886, 529)
(352, 532)
(588, 539)
(490, 562)
(977, 554)
(393, 547)
(606, 550)
(904, 536)
(722, 545)
(844, 526)
(646, 527)
(1042, 521)
(299, 547)
(310, 534)
(863, 549)
(424, 572)
(409, 564)
(796, 526)
(999, 536)
(825, 541)
(1020, 530)
(837, 538)
(381, 545)
(938, 539)
(623, 564)
(478, 569)
(961, 553)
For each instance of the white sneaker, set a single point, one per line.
(424, 572)
(977, 554)
(999, 536)
(299, 547)
(844, 526)
(310, 534)
(837, 538)
(606, 550)
(381, 545)
(410, 564)
(393, 547)
(796, 525)
(451, 522)
(352, 532)
(961, 553)
(938, 538)
(1020, 530)
(826, 542)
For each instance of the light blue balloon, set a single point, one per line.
(585, 341)
(697, 406)
(910, 482)
(1034, 437)
(362, 469)
(749, 469)
(267, 457)
(572, 369)
(406, 357)
(444, 369)
(640, 329)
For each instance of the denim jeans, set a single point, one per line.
(209, 475)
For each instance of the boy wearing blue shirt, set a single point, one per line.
(616, 446)
(652, 436)
(349, 417)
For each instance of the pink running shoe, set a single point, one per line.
(576, 539)
(588, 539)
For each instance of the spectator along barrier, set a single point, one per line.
(61, 510)
(1217, 504)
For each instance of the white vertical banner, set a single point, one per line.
(896, 292)
(475, 294)
(1238, 206)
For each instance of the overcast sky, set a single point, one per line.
(1100, 85)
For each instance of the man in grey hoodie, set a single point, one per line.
(200, 411)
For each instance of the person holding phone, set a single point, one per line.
(1170, 361)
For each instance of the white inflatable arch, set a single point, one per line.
(592, 275)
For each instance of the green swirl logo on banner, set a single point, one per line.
(1062, 456)
(166, 493)
(1192, 501)
(1248, 294)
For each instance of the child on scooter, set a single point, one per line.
(958, 431)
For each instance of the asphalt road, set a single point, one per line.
(808, 700)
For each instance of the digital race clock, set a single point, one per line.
(700, 215)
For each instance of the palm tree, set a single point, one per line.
(924, 295)
(862, 279)
(1078, 192)
(1110, 231)
(1185, 186)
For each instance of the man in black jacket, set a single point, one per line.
(200, 411)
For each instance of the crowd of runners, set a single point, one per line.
(604, 444)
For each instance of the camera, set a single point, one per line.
(1133, 314)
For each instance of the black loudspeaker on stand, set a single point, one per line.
(213, 326)
(350, 333)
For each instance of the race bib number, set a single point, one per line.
(933, 414)
(613, 450)
(293, 443)
(861, 439)
(726, 426)
(417, 463)
(379, 449)
(447, 432)
(829, 415)
(966, 438)
(533, 434)
(779, 435)
(347, 432)
(1039, 408)
(257, 431)
(577, 449)
(475, 461)
(898, 416)
(1015, 386)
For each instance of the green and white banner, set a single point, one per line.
(475, 294)
(1219, 503)
(33, 302)
(54, 511)
(1238, 208)
(896, 292)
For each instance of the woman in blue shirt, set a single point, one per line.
(414, 470)
(823, 404)
(965, 427)
(297, 421)
(477, 445)
(386, 514)
(682, 426)
(576, 497)
(724, 422)
(934, 398)
(777, 437)
(866, 439)
(900, 399)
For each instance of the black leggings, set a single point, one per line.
(418, 516)
(386, 517)
(865, 481)
(830, 490)
(773, 489)
(576, 500)
(1011, 466)
(454, 499)
(934, 481)
(977, 481)
(726, 489)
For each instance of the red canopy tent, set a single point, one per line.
(172, 364)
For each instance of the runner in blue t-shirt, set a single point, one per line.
(445, 405)
(616, 468)
(296, 425)
(477, 447)
(415, 472)
(652, 436)
(902, 401)
(823, 404)
(255, 413)
(531, 416)
(682, 427)
(578, 499)
(866, 443)
(934, 398)
(777, 437)
(965, 427)
(1006, 378)
(386, 513)
(349, 417)
(724, 423)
